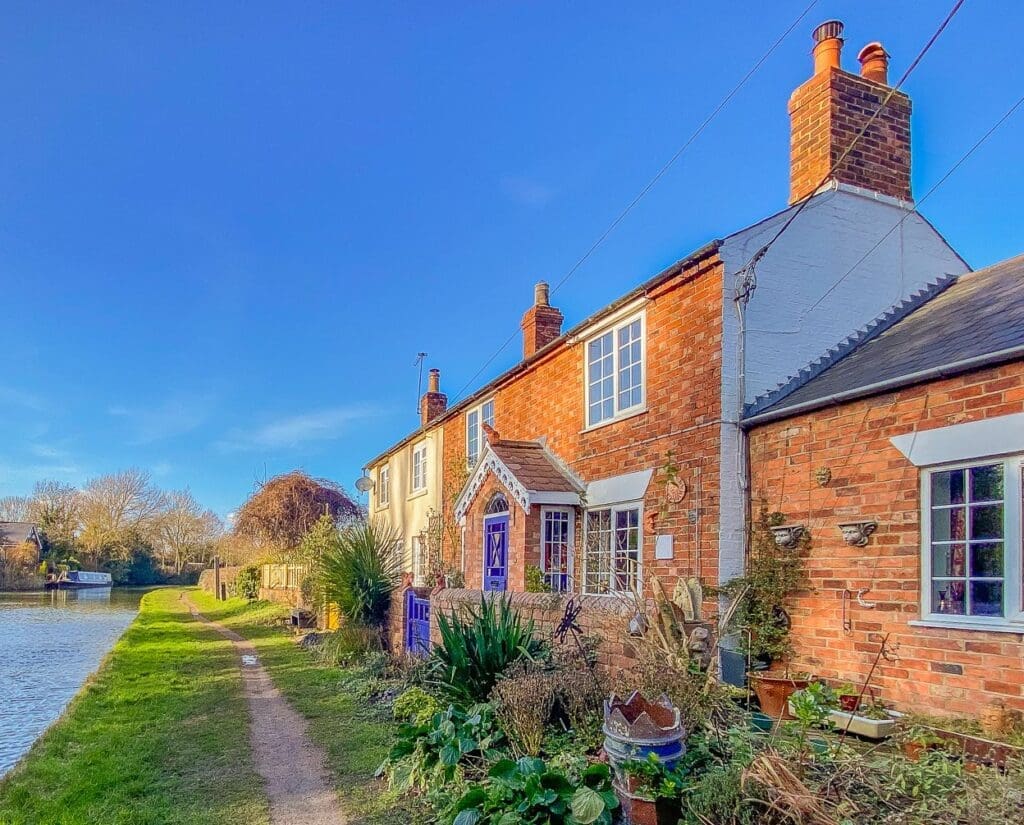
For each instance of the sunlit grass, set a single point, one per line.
(355, 735)
(158, 736)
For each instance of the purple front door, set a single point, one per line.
(496, 553)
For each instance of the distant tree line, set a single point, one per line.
(121, 523)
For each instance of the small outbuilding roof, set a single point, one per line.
(975, 321)
(17, 532)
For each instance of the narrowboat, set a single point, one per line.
(76, 579)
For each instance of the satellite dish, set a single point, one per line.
(364, 484)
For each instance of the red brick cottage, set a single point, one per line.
(903, 460)
(613, 452)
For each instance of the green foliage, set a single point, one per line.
(349, 644)
(359, 570)
(415, 705)
(529, 791)
(476, 649)
(247, 583)
(773, 574)
(442, 749)
(535, 582)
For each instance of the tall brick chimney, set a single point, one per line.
(828, 112)
(434, 402)
(542, 323)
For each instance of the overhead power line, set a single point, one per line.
(802, 203)
(963, 159)
(651, 183)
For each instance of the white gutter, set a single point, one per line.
(944, 371)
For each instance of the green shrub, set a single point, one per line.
(360, 570)
(415, 705)
(535, 582)
(439, 751)
(348, 644)
(247, 582)
(529, 791)
(475, 650)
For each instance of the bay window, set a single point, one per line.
(612, 542)
(556, 548)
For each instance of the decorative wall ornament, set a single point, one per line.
(787, 535)
(823, 475)
(675, 491)
(855, 533)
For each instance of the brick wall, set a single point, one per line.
(827, 113)
(394, 629)
(546, 400)
(938, 670)
(603, 617)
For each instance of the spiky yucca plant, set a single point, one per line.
(359, 571)
(477, 648)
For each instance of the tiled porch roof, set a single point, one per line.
(533, 466)
(530, 473)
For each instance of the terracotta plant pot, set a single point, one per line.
(639, 809)
(773, 691)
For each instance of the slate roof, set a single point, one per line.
(17, 532)
(978, 317)
(534, 466)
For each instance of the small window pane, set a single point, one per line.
(986, 598)
(948, 597)
(987, 521)
(987, 483)
(488, 413)
(986, 561)
(949, 560)
(949, 524)
(948, 487)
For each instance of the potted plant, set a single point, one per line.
(849, 696)
(757, 614)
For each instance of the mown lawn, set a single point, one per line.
(355, 734)
(159, 736)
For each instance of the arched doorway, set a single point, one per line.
(495, 547)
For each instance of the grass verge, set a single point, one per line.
(158, 736)
(355, 734)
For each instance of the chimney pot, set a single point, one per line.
(828, 46)
(541, 294)
(874, 63)
(434, 380)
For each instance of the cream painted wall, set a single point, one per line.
(406, 511)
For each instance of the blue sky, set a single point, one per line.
(227, 228)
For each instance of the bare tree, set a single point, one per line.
(185, 531)
(119, 510)
(14, 508)
(56, 508)
(282, 510)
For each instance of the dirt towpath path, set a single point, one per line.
(298, 785)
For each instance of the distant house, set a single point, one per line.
(17, 533)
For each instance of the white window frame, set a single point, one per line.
(584, 549)
(614, 328)
(418, 484)
(1013, 564)
(571, 543)
(383, 486)
(475, 419)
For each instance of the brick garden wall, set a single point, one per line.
(938, 670)
(603, 617)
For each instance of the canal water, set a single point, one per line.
(49, 644)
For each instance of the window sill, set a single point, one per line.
(416, 494)
(622, 417)
(995, 626)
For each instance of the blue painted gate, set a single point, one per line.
(417, 624)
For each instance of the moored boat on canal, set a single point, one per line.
(76, 579)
